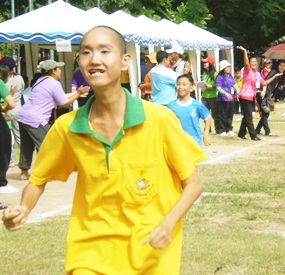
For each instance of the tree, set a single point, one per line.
(253, 24)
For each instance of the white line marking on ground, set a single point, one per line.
(234, 153)
(38, 218)
(244, 195)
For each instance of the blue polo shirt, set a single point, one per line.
(163, 82)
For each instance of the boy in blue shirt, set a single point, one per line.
(189, 111)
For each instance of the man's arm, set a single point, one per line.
(206, 135)
(268, 81)
(161, 235)
(80, 92)
(15, 217)
(9, 104)
(245, 56)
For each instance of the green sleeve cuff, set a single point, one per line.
(221, 90)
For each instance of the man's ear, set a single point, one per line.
(126, 61)
(78, 60)
(165, 60)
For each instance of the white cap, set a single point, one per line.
(224, 64)
(50, 64)
(176, 49)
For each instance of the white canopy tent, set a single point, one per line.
(62, 21)
(40, 28)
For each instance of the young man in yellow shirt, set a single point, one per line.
(135, 181)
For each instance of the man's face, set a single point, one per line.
(253, 63)
(184, 87)
(174, 57)
(281, 67)
(101, 59)
(238, 74)
(268, 65)
(150, 64)
(206, 65)
(57, 73)
(167, 60)
(227, 70)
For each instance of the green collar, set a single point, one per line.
(135, 115)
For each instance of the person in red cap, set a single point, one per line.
(209, 95)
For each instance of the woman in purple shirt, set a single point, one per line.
(226, 86)
(47, 93)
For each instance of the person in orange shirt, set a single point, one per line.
(146, 85)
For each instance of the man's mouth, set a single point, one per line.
(96, 72)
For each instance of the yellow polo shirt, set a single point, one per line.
(123, 189)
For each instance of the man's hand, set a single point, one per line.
(15, 217)
(160, 237)
(83, 91)
(262, 94)
(241, 48)
(206, 140)
(277, 75)
(229, 96)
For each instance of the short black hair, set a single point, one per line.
(160, 55)
(188, 76)
(4, 72)
(9, 62)
(121, 39)
(47, 72)
(35, 78)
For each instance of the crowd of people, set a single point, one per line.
(136, 160)
(252, 89)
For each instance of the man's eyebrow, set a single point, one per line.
(84, 47)
(105, 45)
(100, 46)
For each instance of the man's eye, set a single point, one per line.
(85, 52)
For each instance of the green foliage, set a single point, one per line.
(5, 12)
(7, 49)
(194, 11)
(252, 24)
(85, 4)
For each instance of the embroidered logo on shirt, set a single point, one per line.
(141, 183)
(193, 113)
(141, 187)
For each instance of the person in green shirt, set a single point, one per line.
(5, 134)
(209, 96)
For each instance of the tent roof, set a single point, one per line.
(57, 21)
(62, 21)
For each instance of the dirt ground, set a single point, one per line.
(57, 198)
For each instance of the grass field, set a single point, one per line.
(237, 227)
